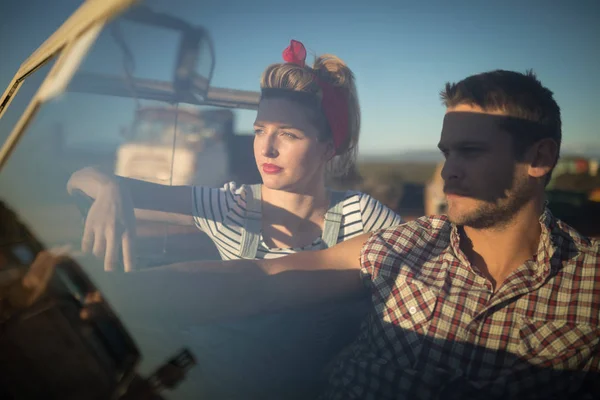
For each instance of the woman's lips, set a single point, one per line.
(271, 169)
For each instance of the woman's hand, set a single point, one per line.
(110, 226)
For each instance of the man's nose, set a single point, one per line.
(452, 169)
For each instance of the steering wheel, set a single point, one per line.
(84, 203)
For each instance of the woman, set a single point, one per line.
(307, 126)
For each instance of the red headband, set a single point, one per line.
(334, 101)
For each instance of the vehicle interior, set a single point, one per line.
(92, 95)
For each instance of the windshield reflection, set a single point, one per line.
(124, 114)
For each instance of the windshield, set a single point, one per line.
(130, 111)
(20, 95)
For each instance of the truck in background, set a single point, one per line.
(178, 145)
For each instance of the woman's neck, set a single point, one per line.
(283, 206)
(291, 219)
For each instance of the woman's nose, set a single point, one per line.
(269, 148)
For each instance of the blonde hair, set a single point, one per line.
(333, 70)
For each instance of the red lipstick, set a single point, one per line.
(271, 169)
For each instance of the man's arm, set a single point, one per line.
(205, 291)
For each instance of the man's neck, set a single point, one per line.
(498, 251)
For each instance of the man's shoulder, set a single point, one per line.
(576, 277)
(433, 226)
(570, 240)
(422, 235)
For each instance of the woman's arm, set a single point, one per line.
(110, 224)
(151, 201)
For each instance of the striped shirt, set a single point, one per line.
(275, 356)
(219, 212)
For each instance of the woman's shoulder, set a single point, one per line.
(230, 189)
(230, 196)
(374, 214)
(359, 199)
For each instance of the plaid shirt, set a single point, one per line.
(438, 331)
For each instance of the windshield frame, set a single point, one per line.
(68, 45)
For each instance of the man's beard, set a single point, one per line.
(497, 215)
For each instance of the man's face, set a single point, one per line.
(485, 185)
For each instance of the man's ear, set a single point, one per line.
(542, 158)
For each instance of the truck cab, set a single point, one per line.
(177, 146)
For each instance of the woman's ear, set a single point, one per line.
(543, 157)
(329, 151)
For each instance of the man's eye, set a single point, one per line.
(290, 135)
(471, 151)
(258, 131)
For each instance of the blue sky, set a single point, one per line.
(401, 52)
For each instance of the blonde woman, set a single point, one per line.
(307, 127)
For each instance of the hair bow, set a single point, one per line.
(334, 101)
(295, 53)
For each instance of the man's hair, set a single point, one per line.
(515, 94)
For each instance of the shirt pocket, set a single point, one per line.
(553, 355)
(558, 344)
(406, 308)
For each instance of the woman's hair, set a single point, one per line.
(333, 70)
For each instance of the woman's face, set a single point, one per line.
(288, 158)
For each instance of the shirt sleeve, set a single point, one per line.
(211, 205)
(375, 216)
(372, 257)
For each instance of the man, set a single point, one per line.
(497, 299)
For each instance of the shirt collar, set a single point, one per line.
(547, 247)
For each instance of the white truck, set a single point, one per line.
(177, 146)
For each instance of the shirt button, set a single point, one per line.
(412, 310)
